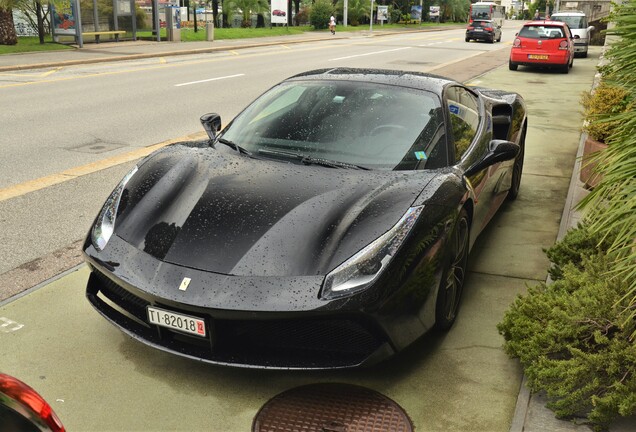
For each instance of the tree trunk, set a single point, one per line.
(7, 28)
(38, 12)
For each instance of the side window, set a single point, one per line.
(463, 109)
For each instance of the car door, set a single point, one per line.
(470, 135)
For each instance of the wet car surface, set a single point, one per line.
(327, 226)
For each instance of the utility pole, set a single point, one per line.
(345, 13)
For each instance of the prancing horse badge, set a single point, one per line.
(184, 284)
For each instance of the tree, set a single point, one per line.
(320, 12)
(7, 26)
(454, 10)
(248, 7)
(356, 11)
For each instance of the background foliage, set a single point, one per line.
(612, 204)
(320, 13)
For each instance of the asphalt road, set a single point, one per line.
(69, 129)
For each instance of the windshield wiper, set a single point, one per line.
(234, 145)
(308, 160)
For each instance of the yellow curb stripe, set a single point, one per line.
(72, 173)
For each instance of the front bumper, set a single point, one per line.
(580, 47)
(249, 326)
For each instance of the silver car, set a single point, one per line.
(577, 21)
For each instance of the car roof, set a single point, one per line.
(570, 13)
(416, 80)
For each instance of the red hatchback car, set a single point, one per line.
(543, 44)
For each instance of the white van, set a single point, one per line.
(577, 21)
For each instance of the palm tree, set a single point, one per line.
(7, 27)
(246, 8)
(356, 10)
(612, 203)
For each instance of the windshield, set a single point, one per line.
(541, 31)
(483, 24)
(574, 22)
(362, 124)
(480, 11)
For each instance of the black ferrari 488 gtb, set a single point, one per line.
(327, 226)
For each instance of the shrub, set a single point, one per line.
(606, 100)
(320, 13)
(580, 243)
(571, 340)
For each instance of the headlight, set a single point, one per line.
(364, 267)
(105, 223)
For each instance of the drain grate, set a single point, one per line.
(331, 408)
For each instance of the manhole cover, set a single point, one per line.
(331, 408)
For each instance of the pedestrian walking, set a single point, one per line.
(332, 25)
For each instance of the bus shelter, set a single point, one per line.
(93, 18)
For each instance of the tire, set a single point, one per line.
(452, 284)
(565, 69)
(467, 40)
(499, 38)
(517, 168)
(572, 62)
(583, 55)
(512, 66)
(492, 41)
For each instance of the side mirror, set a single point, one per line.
(499, 151)
(212, 124)
(591, 29)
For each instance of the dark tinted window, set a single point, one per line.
(376, 126)
(482, 23)
(463, 109)
(542, 32)
(574, 22)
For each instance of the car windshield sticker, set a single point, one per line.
(454, 109)
(420, 155)
(184, 284)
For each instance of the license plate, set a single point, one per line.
(176, 321)
(478, 29)
(537, 57)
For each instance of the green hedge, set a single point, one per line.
(570, 337)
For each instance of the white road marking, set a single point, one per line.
(208, 80)
(371, 53)
(7, 325)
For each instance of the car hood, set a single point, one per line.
(231, 214)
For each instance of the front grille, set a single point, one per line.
(312, 342)
(124, 299)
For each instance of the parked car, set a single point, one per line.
(581, 31)
(22, 409)
(544, 44)
(327, 226)
(485, 30)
